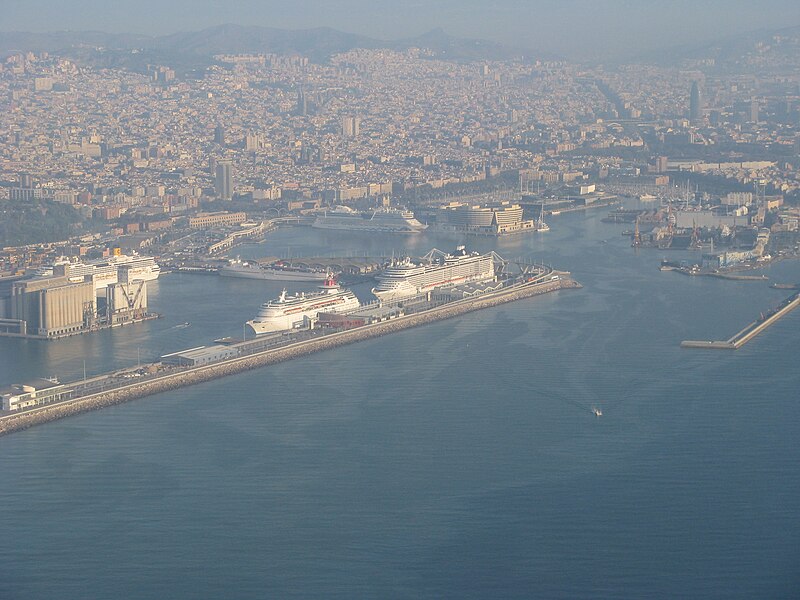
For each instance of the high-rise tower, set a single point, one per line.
(695, 103)
(754, 110)
(351, 126)
(223, 183)
(302, 103)
(219, 135)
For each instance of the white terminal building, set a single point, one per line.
(34, 393)
(492, 219)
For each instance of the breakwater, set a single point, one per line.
(703, 273)
(749, 332)
(174, 380)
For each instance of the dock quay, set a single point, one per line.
(749, 332)
(351, 265)
(576, 208)
(91, 398)
(697, 272)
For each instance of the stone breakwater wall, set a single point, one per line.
(196, 375)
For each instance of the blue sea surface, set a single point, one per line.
(459, 459)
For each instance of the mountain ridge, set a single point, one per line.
(229, 38)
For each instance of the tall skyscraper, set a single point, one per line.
(223, 183)
(350, 126)
(302, 103)
(219, 135)
(252, 142)
(695, 103)
(753, 110)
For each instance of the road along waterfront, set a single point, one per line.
(191, 376)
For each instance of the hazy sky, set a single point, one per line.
(573, 28)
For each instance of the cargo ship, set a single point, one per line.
(385, 220)
(289, 312)
(436, 269)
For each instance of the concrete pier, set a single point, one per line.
(185, 377)
(749, 332)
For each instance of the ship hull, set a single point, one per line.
(408, 290)
(107, 272)
(378, 221)
(147, 274)
(394, 286)
(273, 274)
(283, 315)
(367, 228)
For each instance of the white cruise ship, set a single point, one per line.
(105, 271)
(386, 220)
(437, 269)
(275, 272)
(289, 312)
(142, 268)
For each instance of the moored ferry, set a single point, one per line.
(274, 272)
(436, 269)
(289, 312)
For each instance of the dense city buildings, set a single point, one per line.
(130, 155)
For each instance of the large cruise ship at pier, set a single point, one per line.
(288, 312)
(386, 220)
(436, 269)
(274, 272)
(106, 270)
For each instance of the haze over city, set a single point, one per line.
(574, 29)
(446, 299)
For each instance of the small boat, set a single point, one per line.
(540, 224)
(597, 412)
(182, 325)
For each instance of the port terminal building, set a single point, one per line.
(366, 315)
(34, 393)
(215, 219)
(202, 355)
(467, 290)
(494, 218)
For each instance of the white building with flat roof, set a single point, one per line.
(34, 393)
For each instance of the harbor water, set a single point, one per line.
(460, 459)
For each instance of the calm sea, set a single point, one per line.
(459, 459)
